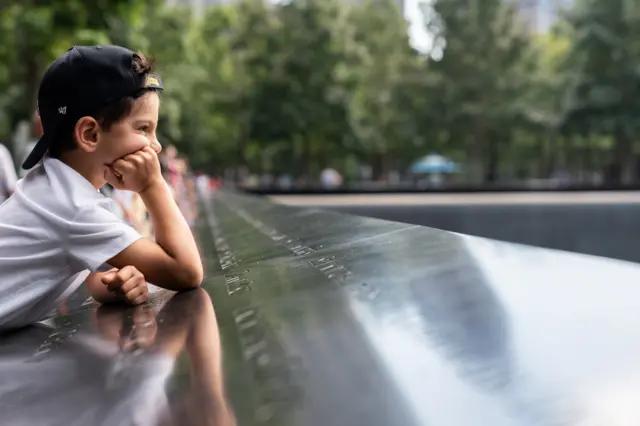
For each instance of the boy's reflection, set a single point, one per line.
(132, 330)
(120, 375)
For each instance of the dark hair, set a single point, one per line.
(109, 114)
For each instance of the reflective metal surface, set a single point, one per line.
(596, 223)
(154, 365)
(352, 321)
(329, 319)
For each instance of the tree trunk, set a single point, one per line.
(305, 160)
(241, 154)
(493, 162)
(379, 166)
(241, 149)
(474, 148)
(545, 166)
(623, 165)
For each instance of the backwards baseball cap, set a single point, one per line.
(78, 84)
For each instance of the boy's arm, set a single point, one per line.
(173, 261)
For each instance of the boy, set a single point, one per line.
(99, 110)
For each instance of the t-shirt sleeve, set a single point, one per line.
(96, 235)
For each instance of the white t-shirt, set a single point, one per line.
(54, 230)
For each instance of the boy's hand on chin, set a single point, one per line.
(113, 178)
(135, 172)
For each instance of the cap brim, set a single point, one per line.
(36, 153)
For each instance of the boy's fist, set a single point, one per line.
(135, 172)
(128, 283)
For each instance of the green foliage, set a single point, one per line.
(605, 79)
(382, 117)
(304, 84)
(483, 77)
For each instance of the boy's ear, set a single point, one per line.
(87, 134)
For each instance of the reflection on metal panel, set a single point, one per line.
(112, 365)
(459, 330)
(329, 319)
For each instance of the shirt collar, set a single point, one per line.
(75, 183)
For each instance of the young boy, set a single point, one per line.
(99, 109)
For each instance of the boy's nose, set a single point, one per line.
(155, 145)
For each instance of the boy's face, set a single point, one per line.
(134, 132)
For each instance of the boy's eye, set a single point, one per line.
(143, 129)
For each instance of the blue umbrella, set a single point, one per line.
(434, 163)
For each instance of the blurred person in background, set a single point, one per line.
(330, 179)
(36, 133)
(8, 176)
(164, 169)
(202, 181)
(173, 176)
(185, 191)
(133, 211)
(285, 181)
(175, 171)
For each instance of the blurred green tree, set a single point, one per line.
(297, 86)
(603, 97)
(479, 54)
(385, 120)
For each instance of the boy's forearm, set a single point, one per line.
(171, 230)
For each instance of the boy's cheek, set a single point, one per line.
(131, 146)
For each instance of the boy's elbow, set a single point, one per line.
(195, 279)
(178, 276)
(192, 276)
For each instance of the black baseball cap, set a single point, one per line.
(80, 82)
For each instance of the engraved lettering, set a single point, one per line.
(252, 349)
(326, 266)
(246, 325)
(237, 283)
(245, 314)
(267, 363)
